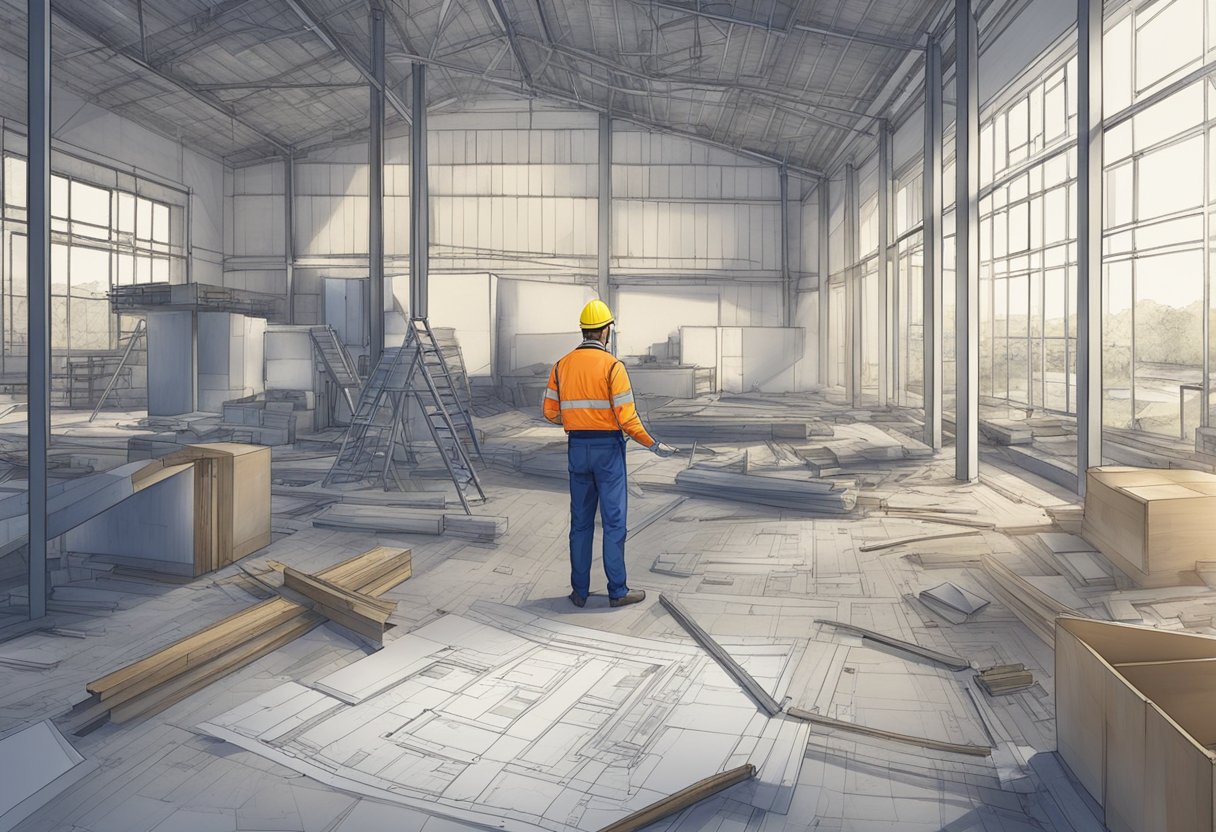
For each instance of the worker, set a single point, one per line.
(589, 395)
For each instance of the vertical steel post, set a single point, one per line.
(825, 230)
(932, 319)
(38, 190)
(289, 233)
(884, 258)
(1089, 238)
(966, 243)
(855, 291)
(375, 195)
(604, 212)
(787, 286)
(420, 220)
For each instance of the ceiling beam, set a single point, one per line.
(83, 29)
(277, 85)
(331, 39)
(508, 29)
(530, 91)
(823, 31)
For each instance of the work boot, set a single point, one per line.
(577, 600)
(630, 597)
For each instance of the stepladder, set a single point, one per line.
(407, 407)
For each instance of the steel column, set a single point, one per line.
(289, 233)
(375, 195)
(420, 223)
(931, 274)
(825, 220)
(884, 258)
(604, 212)
(787, 287)
(853, 288)
(1089, 238)
(38, 190)
(966, 243)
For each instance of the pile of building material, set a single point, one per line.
(813, 495)
(1035, 608)
(380, 519)
(1079, 560)
(270, 418)
(1004, 678)
(172, 673)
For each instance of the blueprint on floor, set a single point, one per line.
(525, 723)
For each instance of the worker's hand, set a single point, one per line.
(662, 451)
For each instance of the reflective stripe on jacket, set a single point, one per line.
(589, 390)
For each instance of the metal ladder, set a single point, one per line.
(140, 331)
(338, 364)
(379, 424)
(446, 388)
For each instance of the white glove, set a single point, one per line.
(662, 451)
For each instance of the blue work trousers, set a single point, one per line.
(597, 477)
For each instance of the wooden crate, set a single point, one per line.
(232, 501)
(1134, 722)
(1153, 524)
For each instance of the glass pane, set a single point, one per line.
(1117, 66)
(1167, 40)
(1169, 179)
(143, 218)
(14, 181)
(1168, 336)
(59, 269)
(90, 270)
(126, 213)
(59, 197)
(90, 205)
(91, 324)
(160, 223)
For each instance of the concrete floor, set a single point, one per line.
(743, 571)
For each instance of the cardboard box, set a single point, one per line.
(1153, 524)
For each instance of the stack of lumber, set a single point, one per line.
(379, 519)
(780, 492)
(1035, 608)
(482, 528)
(1004, 678)
(172, 673)
(399, 520)
(356, 611)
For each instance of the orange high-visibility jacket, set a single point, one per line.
(589, 390)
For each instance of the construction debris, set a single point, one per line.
(780, 492)
(1004, 678)
(951, 597)
(682, 799)
(952, 662)
(762, 697)
(172, 673)
(363, 614)
(923, 742)
(1035, 608)
(37, 764)
(398, 520)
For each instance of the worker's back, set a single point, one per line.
(589, 390)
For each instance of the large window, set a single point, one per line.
(101, 238)
(1155, 263)
(1028, 246)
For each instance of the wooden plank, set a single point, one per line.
(202, 645)
(918, 538)
(682, 799)
(952, 662)
(199, 677)
(762, 697)
(923, 742)
(338, 598)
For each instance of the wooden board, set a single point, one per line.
(233, 500)
(363, 614)
(682, 799)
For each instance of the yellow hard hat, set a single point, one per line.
(596, 315)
